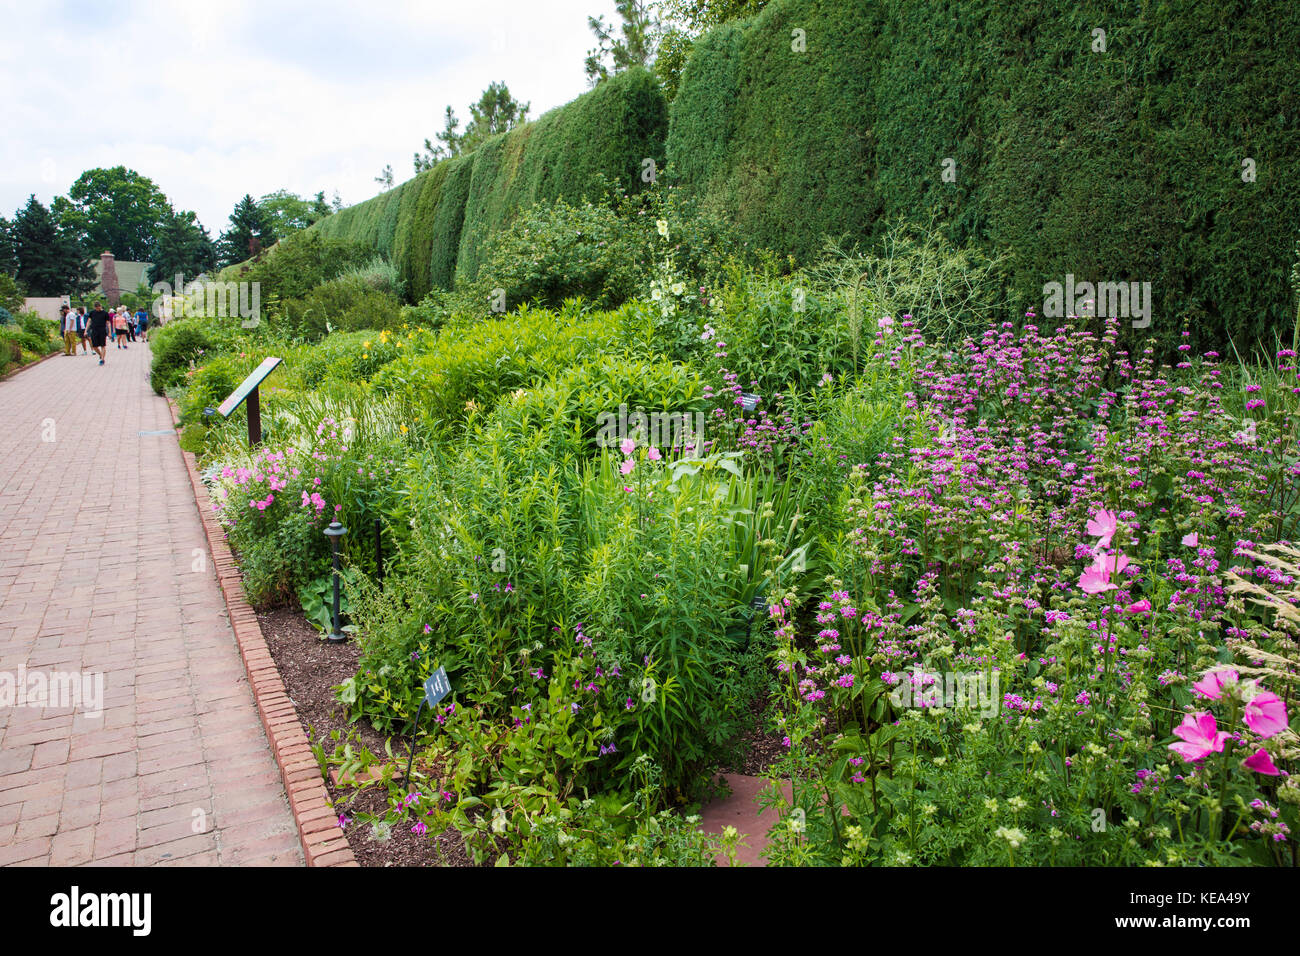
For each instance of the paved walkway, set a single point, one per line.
(104, 572)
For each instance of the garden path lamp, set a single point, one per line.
(334, 532)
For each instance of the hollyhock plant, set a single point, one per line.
(1200, 737)
(1103, 526)
(1211, 683)
(1265, 714)
(1261, 762)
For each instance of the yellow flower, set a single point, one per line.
(662, 226)
(365, 345)
(403, 429)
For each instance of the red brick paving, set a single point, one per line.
(99, 531)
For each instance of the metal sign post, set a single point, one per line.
(247, 393)
(436, 687)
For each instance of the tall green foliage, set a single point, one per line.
(1115, 164)
(434, 225)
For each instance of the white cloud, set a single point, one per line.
(214, 101)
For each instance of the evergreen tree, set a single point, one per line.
(8, 256)
(251, 230)
(495, 112)
(51, 260)
(183, 247)
(635, 43)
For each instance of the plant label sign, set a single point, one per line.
(248, 385)
(436, 687)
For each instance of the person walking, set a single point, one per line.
(119, 327)
(142, 323)
(99, 322)
(82, 323)
(68, 326)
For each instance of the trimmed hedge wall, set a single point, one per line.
(1115, 165)
(432, 226)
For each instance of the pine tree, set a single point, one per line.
(251, 230)
(50, 259)
(183, 247)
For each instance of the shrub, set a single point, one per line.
(174, 346)
(435, 224)
(299, 263)
(1145, 184)
(340, 305)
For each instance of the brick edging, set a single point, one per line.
(22, 368)
(323, 844)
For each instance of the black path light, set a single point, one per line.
(334, 532)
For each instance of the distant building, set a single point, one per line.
(113, 277)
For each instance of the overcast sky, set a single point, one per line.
(215, 100)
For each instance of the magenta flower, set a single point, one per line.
(1191, 540)
(653, 453)
(1095, 580)
(1211, 683)
(627, 466)
(627, 446)
(1261, 762)
(1200, 737)
(1139, 607)
(1266, 714)
(1103, 526)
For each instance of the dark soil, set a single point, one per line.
(311, 669)
(757, 748)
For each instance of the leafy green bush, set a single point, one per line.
(174, 346)
(340, 305)
(299, 263)
(553, 252)
(468, 368)
(12, 295)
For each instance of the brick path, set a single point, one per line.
(98, 539)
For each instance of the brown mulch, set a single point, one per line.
(758, 748)
(310, 669)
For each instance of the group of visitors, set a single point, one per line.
(97, 327)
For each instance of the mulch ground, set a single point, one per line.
(311, 669)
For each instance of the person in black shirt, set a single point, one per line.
(97, 321)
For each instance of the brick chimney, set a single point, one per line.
(108, 280)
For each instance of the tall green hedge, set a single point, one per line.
(1122, 165)
(433, 226)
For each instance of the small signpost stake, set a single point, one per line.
(436, 687)
(247, 393)
(254, 405)
(379, 554)
(334, 532)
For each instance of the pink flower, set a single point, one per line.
(653, 453)
(1211, 683)
(1191, 540)
(1139, 607)
(1200, 735)
(1110, 563)
(1266, 714)
(627, 446)
(1095, 581)
(1103, 526)
(627, 466)
(1261, 762)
